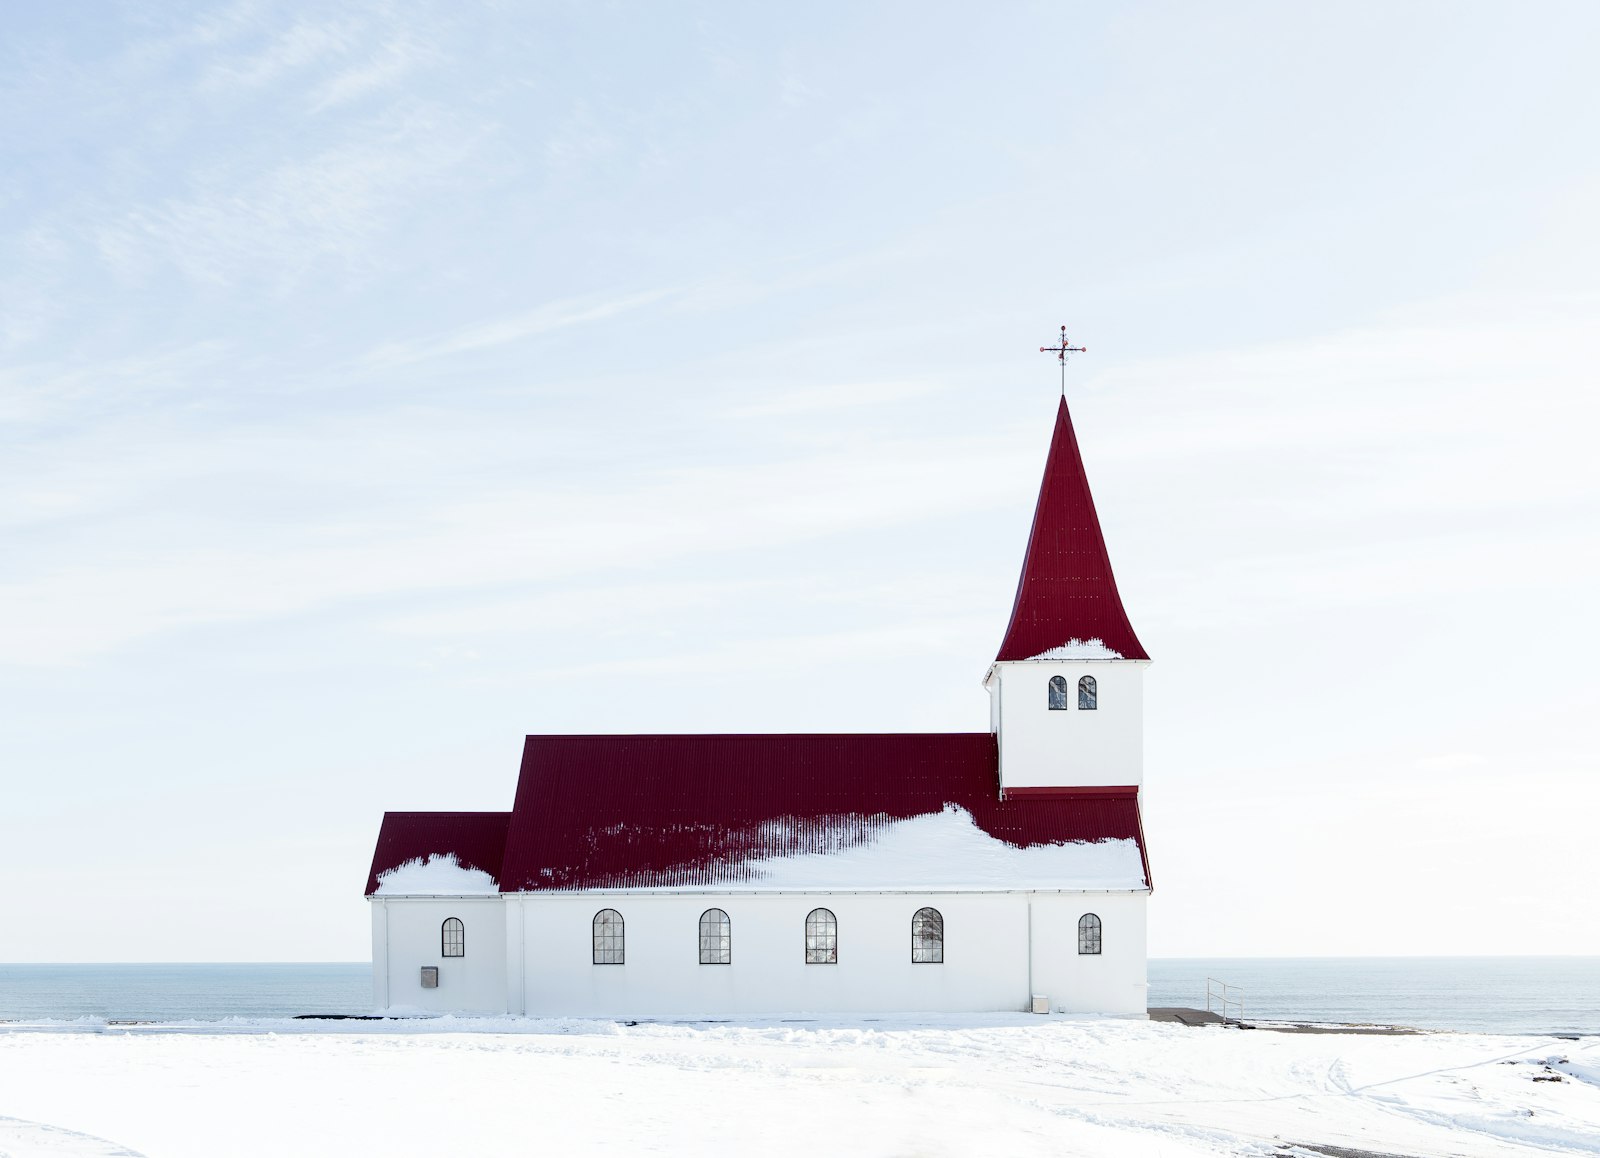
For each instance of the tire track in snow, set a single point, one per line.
(22, 1138)
(1557, 1139)
(1027, 1089)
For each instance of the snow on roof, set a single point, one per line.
(803, 811)
(475, 840)
(947, 850)
(1079, 649)
(1067, 591)
(440, 875)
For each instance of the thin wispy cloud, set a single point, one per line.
(305, 44)
(541, 319)
(812, 650)
(380, 68)
(832, 397)
(184, 568)
(78, 394)
(301, 214)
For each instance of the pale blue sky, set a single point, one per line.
(383, 382)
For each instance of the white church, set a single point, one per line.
(687, 876)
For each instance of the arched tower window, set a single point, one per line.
(1058, 693)
(927, 937)
(1088, 694)
(822, 938)
(453, 938)
(1089, 935)
(608, 937)
(716, 938)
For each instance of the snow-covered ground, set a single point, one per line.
(993, 1085)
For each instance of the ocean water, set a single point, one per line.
(182, 992)
(1470, 994)
(1476, 994)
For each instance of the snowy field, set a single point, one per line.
(994, 1085)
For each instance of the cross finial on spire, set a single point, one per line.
(1061, 353)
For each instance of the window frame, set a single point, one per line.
(1057, 696)
(1088, 694)
(822, 937)
(926, 948)
(716, 947)
(1091, 935)
(452, 945)
(603, 944)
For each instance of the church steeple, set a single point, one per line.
(1067, 593)
(1066, 691)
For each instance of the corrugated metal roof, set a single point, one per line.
(1067, 590)
(660, 811)
(478, 840)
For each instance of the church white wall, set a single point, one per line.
(1040, 748)
(1112, 982)
(406, 936)
(986, 965)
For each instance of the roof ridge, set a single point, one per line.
(592, 736)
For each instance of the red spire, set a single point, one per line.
(1067, 591)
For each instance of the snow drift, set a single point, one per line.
(437, 875)
(948, 851)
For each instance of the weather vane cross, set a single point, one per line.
(1061, 353)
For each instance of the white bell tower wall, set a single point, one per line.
(1071, 747)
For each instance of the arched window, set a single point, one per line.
(716, 938)
(927, 937)
(1088, 694)
(1089, 935)
(1058, 693)
(822, 938)
(453, 938)
(608, 937)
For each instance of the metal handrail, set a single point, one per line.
(1220, 999)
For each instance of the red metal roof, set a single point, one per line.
(478, 840)
(1066, 591)
(659, 811)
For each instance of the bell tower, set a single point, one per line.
(1066, 689)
